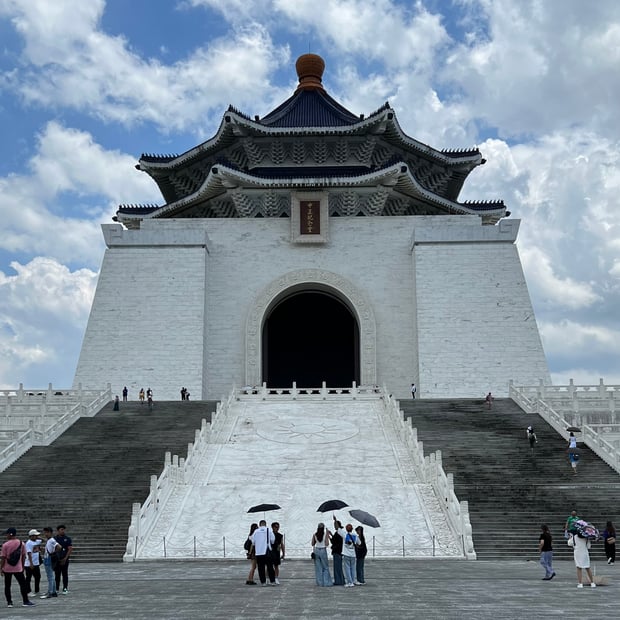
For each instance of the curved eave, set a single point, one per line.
(222, 178)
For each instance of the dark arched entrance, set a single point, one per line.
(310, 337)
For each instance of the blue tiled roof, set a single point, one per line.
(310, 108)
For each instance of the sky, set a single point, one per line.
(86, 86)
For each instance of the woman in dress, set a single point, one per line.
(320, 542)
(582, 559)
(251, 555)
(609, 536)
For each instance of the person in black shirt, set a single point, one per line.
(546, 552)
(62, 567)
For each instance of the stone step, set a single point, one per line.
(512, 491)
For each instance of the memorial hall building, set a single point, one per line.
(312, 245)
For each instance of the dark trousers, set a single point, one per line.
(610, 551)
(62, 569)
(263, 561)
(338, 574)
(23, 586)
(33, 571)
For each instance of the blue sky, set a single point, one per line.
(87, 86)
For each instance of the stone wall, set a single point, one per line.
(447, 297)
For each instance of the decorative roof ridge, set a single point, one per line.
(460, 152)
(137, 207)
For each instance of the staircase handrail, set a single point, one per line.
(39, 434)
(176, 471)
(432, 471)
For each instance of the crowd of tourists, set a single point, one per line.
(22, 560)
(265, 549)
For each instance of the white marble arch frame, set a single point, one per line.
(300, 280)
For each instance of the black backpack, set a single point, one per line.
(247, 545)
(15, 556)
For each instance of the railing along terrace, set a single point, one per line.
(595, 409)
(263, 392)
(38, 418)
(179, 471)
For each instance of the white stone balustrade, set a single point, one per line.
(593, 408)
(37, 417)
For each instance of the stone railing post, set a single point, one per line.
(601, 387)
(20, 393)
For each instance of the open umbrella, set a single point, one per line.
(574, 429)
(332, 504)
(364, 517)
(264, 508)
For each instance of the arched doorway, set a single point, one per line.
(310, 336)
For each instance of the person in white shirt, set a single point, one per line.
(32, 561)
(351, 539)
(263, 539)
(51, 547)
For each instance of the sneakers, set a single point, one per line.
(28, 604)
(264, 584)
(608, 560)
(277, 581)
(580, 585)
(593, 585)
(10, 605)
(358, 583)
(250, 583)
(349, 585)
(65, 591)
(48, 595)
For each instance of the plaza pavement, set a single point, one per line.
(395, 588)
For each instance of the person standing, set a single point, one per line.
(62, 568)
(263, 540)
(141, 396)
(278, 550)
(32, 562)
(10, 570)
(116, 403)
(414, 389)
(361, 551)
(531, 437)
(49, 555)
(320, 542)
(489, 400)
(350, 540)
(336, 543)
(125, 392)
(609, 536)
(546, 552)
(250, 554)
(581, 555)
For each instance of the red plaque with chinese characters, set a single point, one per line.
(309, 217)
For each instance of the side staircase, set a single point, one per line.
(510, 489)
(89, 477)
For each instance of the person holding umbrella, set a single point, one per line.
(351, 540)
(263, 539)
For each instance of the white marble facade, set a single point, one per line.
(440, 300)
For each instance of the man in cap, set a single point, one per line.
(10, 569)
(33, 562)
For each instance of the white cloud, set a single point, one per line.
(70, 173)
(70, 62)
(43, 312)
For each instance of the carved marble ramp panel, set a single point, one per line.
(297, 455)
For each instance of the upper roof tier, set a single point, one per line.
(310, 130)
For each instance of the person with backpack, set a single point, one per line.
(12, 559)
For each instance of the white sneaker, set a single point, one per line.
(593, 585)
(277, 581)
(608, 560)
(580, 585)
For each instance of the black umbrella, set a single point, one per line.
(331, 504)
(364, 517)
(574, 429)
(264, 508)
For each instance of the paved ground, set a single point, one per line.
(425, 589)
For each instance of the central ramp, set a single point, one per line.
(297, 455)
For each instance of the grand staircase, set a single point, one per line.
(89, 477)
(510, 489)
